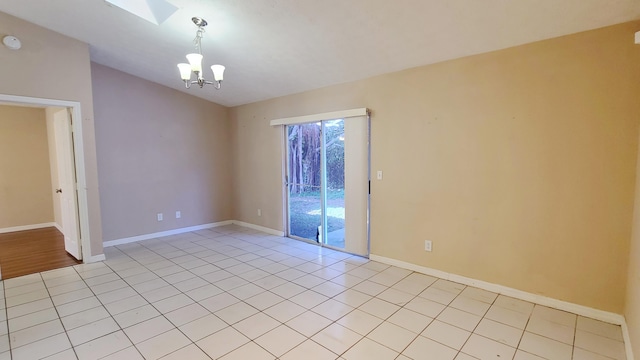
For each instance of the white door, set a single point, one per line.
(67, 181)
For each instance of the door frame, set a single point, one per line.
(78, 157)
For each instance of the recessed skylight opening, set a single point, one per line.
(154, 11)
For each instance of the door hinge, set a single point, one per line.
(369, 187)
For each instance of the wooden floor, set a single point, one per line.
(32, 251)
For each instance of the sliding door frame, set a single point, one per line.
(322, 118)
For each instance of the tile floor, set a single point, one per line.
(236, 294)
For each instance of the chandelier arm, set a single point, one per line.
(216, 84)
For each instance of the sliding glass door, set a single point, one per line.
(327, 183)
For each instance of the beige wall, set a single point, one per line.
(632, 307)
(25, 179)
(53, 66)
(159, 150)
(519, 164)
(53, 161)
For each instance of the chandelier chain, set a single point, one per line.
(198, 39)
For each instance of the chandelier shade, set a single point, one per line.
(195, 60)
(218, 72)
(185, 71)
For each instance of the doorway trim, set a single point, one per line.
(78, 156)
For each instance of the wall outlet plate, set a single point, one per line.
(178, 214)
(428, 245)
(159, 216)
(259, 212)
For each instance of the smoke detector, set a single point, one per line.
(12, 42)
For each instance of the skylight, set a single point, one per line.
(154, 11)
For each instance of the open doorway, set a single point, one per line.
(61, 236)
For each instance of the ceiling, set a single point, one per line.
(273, 48)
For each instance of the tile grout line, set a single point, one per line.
(6, 313)
(59, 317)
(524, 331)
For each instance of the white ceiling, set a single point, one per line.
(273, 48)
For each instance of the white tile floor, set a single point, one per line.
(233, 293)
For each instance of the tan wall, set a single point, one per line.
(159, 150)
(632, 307)
(519, 164)
(25, 179)
(53, 66)
(53, 161)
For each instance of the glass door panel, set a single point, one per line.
(334, 180)
(304, 182)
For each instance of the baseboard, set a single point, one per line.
(189, 229)
(259, 228)
(59, 227)
(164, 233)
(94, 258)
(27, 227)
(627, 340)
(586, 311)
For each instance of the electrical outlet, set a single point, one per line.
(259, 212)
(428, 245)
(379, 175)
(159, 216)
(178, 214)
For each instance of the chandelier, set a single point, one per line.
(195, 62)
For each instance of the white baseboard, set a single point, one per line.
(164, 233)
(259, 228)
(27, 227)
(190, 229)
(94, 258)
(627, 340)
(586, 311)
(59, 227)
